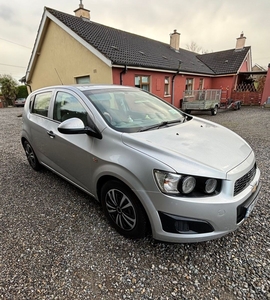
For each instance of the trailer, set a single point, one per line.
(204, 100)
(230, 104)
(208, 100)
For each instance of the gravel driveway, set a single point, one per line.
(55, 242)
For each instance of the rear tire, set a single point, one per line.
(214, 110)
(31, 156)
(123, 210)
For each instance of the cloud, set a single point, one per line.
(214, 25)
(6, 12)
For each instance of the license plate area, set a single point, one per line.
(244, 210)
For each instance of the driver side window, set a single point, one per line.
(67, 106)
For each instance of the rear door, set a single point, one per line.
(38, 120)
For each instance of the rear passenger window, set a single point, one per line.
(41, 104)
(67, 106)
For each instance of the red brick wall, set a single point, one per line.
(266, 90)
(247, 98)
(224, 84)
(157, 82)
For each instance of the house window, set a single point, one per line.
(167, 86)
(189, 86)
(83, 79)
(143, 82)
(201, 84)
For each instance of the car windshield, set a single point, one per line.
(133, 110)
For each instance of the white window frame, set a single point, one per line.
(83, 79)
(141, 83)
(167, 86)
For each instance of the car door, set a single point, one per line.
(69, 154)
(38, 123)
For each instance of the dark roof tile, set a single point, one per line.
(124, 48)
(225, 62)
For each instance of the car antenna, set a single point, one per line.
(58, 76)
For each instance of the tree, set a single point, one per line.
(22, 91)
(8, 88)
(194, 47)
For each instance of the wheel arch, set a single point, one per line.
(23, 139)
(105, 178)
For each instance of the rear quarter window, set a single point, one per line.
(41, 104)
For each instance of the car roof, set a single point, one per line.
(84, 87)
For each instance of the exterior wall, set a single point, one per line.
(59, 47)
(266, 91)
(244, 67)
(226, 84)
(258, 68)
(157, 85)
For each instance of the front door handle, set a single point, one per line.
(51, 134)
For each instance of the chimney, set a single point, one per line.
(82, 12)
(175, 40)
(240, 42)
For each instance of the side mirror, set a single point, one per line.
(76, 126)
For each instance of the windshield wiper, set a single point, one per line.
(162, 124)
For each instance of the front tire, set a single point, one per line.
(31, 156)
(123, 210)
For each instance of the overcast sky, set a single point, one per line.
(212, 24)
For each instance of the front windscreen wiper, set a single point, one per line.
(159, 125)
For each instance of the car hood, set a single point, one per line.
(195, 147)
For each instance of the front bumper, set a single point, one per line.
(197, 220)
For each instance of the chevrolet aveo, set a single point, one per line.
(152, 167)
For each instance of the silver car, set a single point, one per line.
(19, 102)
(152, 167)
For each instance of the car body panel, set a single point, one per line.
(179, 144)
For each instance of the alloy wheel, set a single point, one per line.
(120, 209)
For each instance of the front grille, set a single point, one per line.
(244, 181)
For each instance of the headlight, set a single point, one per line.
(186, 185)
(167, 182)
(210, 185)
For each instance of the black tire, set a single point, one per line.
(214, 110)
(31, 156)
(123, 210)
(188, 111)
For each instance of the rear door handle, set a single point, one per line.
(51, 134)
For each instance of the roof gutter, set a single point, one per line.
(114, 65)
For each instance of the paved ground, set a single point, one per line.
(56, 244)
